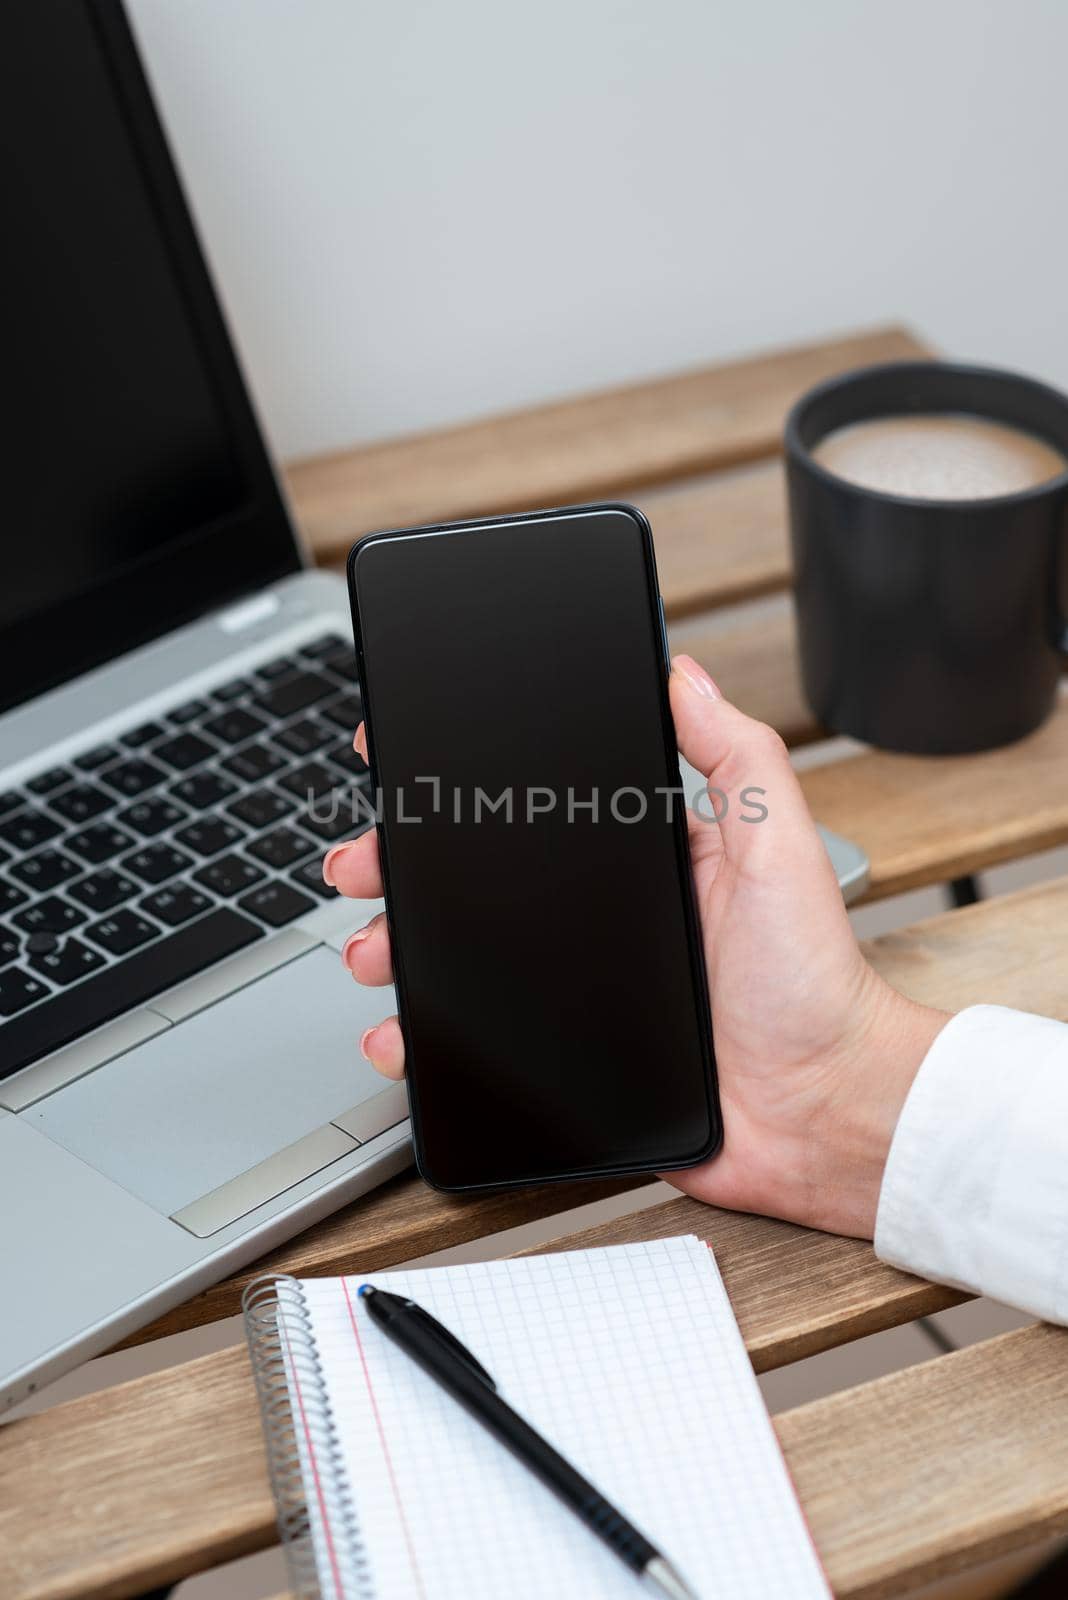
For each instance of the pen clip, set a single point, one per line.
(442, 1334)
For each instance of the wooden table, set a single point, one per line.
(922, 1473)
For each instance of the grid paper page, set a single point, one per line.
(629, 1360)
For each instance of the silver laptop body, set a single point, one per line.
(180, 1081)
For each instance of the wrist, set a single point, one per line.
(876, 1069)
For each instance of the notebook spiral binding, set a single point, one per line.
(302, 1443)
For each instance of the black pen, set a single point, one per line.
(441, 1354)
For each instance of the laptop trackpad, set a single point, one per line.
(192, 1108)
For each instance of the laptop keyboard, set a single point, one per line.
(148, 859)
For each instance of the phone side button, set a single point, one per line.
(663, 630)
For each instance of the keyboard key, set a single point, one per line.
(98, 756)
(281, 848)
(176, 904)
(347, 821)
(189, 712)
(290, 695)
(235, 726)
(54, 778)
(54, 915)
(109, 993)
(29, 829)
(342, 661)
(262, 808)
(305, 737)
(18, 990)
(10, 897)
(310, 779)
(310, 876)
(324, 645)
(349, 760)
(185, 751)
(234, 690)
(125, 931)
(10, 800)
(345, 712)
(81, 802)
(207, 838)
(47, 869)
(280, 667)
(104, 890)
(229, 875)
(157, 862)
(73, 960)
(203, 790)
(10, 946)
(143, 735)
(254, 762)
(132, 778)
(150, 817)
(98, 843)
(276, 903)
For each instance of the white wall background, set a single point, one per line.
(423, 210)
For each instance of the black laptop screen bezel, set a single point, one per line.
(213, 564)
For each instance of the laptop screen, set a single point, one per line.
(135, 492)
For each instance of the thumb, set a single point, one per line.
(747, 766)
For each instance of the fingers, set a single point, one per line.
(754, 793)
(383, 1047)
(367, 953)
(359, 743)
(352, 867)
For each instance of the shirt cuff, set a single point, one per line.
(975, 1192)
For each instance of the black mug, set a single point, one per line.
(933, 626)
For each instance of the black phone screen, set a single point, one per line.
(549, 971)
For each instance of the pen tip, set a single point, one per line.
(365, 1289)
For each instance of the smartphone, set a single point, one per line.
(547, 951)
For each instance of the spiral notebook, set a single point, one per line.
(628, 1359)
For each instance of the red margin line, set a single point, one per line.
(406, 1531)
(338, 1589)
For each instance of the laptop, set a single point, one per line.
(180, 1083)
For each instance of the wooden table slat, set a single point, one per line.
(578, 449)
(719, 538)
(751, 651)
(399, 1221)
(924, 819)
(936, 1468)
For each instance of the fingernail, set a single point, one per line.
(352, 941)
(367, 1036)
(696, 676)
(329, 859)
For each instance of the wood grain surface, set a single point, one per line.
(718, 538)
(573, 450)
(751, 651)
(923, 819)
(396, 1222)
(936, 1468)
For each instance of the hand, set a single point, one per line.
(815, 1052)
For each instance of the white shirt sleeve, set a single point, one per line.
(975, 1192)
